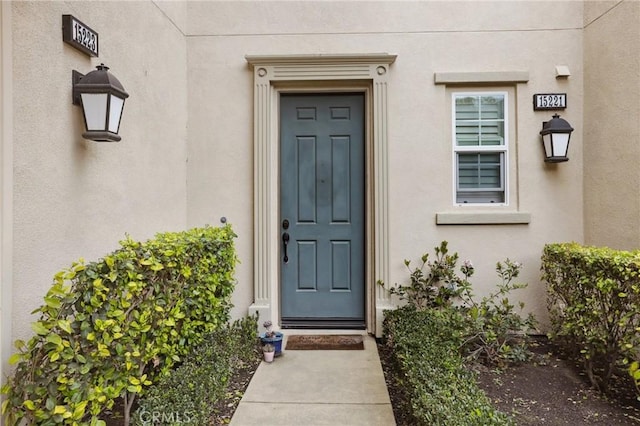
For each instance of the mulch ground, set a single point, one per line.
(549, 390)
(224, 409)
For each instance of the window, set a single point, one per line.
(480, 147)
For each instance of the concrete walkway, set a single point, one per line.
(318, 388)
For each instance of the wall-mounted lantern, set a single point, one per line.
(555, 139)
(102, 98)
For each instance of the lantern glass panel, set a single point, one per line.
(560, 144)
(546, 139)
(95, 110)
(115, 112)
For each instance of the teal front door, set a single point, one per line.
(322, 210)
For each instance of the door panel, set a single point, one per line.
(322, 197)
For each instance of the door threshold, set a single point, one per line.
(322, 332)
(306, 324)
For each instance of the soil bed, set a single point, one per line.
(549, 390)
(223, 409)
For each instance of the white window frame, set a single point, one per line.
(502, 149)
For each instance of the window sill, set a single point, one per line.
(504, 218)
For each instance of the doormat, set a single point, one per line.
(324, 342)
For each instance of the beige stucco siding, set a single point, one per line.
(612, 124)
(369, 17)
(187, 152)
(6, 184)
(220, 172)
(428, 38)
(76, 198)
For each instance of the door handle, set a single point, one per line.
(285, 241)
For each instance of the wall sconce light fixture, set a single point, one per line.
(102, 99)
(555, 139)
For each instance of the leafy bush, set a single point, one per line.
(634, 372)
(110, 328)
(594, 305)
(189, 393)
(435, 287)
(494, 332)
(441, 391)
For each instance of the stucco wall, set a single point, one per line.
(428, 37)
(6, 182)
(77, 198)
(186, 157)
(612, 124)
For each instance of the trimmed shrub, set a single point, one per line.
(442, 391)
(111, 328)
(594, 305)
(188, 395)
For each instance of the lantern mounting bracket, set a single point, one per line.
(75, 78)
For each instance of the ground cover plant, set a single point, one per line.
(111, 328)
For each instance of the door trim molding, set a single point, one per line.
(275, 73)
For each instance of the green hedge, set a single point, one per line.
(111, 328)
(188, 396)
(594, 305)
(441, 390)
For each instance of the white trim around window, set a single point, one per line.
(480, 139)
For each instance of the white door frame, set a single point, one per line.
(275, 74)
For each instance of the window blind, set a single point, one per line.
(480, 147)
(480, 120)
